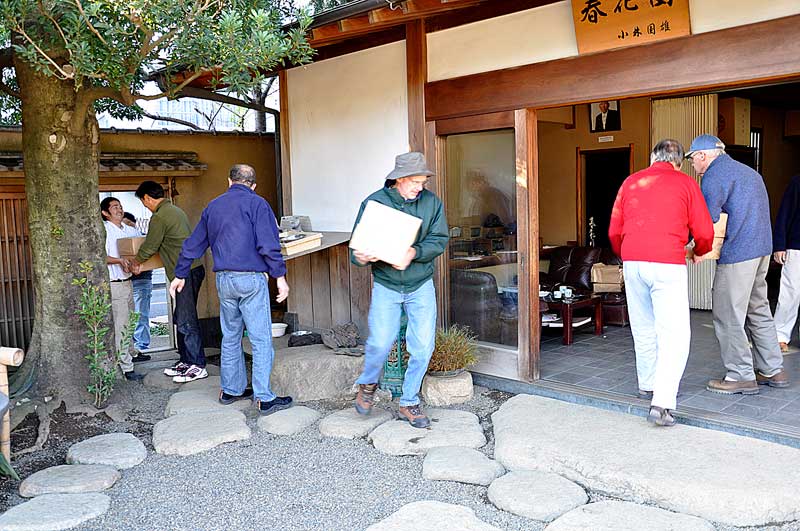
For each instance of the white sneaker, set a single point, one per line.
(177, 369)
(192, 373)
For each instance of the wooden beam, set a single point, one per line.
(355, 23)
(471, 124)
(416, 77)
(725, 58)
(286, 156)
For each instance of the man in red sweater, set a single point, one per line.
(653, 214)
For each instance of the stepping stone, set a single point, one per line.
(53, 512)
(465, 465)
(156, 378)
(537, 495)
(289, 421)
(626, 516)
(439, 391)
(679, 468)
(211, 369)
(449, 427)
(119, 450)
(347, 424)
(69, 479)
(432, 516)
(192, 433)
(312, 372)
(211, 382)
(201, 400)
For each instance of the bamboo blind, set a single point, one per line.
(683, 119)
(16, 277)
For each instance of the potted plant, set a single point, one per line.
(454, 352)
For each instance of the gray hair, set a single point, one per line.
(242, 173)
(667, 150)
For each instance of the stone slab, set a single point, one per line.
(192, 433)
(118, 450)
(439, 391)
(211, 382)
(347, 424)
(201, 400)
(211, 369)
(626, 516)
(53, 512)
(312, 372)
(537, 495)
(449, 427)
(289, 421)
(69, 479)
(465, 465)
(432, 516)
(683, 469)
(157, 379)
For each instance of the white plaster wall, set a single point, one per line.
(521, 38)
(348, 119)
(710, 15)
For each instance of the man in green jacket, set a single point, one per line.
(406, 285)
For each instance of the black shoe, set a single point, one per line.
(140, 357)
(226, 399)
(276, 404)
(132, 376)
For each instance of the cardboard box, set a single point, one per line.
(294, 244)
(719, 239)
(385, 232)
(600, 287)
(607, 274)
(128, 247)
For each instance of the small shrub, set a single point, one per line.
(455, 349)
(159, 329)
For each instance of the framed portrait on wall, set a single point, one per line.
(604, 116)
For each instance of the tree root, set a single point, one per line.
(43, 412)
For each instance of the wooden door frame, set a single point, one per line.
(580, 185)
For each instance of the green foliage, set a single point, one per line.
(323, 5)
(455, 349)
(94, 309)
(159, 329)
(6, 469)
(113, 45)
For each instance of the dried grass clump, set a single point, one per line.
(455, 349)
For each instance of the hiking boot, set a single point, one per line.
(132, 376)
(191, 374)
(139, 357)
(725, 387)
(226, 399)
(784, 346)
(177, 369)
(645, 395)
(776, 380)
(276, 404)
(660, 416)
(365, 398)
(414, 416)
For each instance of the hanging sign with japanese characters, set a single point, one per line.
(605, 24)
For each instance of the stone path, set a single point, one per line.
(199, 400)
(347, 424)
(192, 433)
(465, 465)
(626, 516)
(289, 421)
(432, 516)
(119, 450)
(312, 372)
(53, 512)
(449, 427)
(69, 479)
(684, 469)
(438, 391)
(536, 495)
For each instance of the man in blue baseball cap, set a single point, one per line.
(739, 295)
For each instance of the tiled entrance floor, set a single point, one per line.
(608, 363)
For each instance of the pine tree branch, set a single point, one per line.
(170, 119)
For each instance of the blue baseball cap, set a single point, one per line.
(704, 142)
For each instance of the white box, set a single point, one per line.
(385, 232)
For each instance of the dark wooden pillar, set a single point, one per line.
(416, 76)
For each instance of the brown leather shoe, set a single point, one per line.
(365, 398)
(724, 387)
(776, 380)
(414, 416)
(784, 346)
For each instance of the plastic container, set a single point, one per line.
(278, 329)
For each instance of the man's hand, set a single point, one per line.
(283, 289)
(697, 259)
(136, 267)
(126, 265)
(176, 286)
(780, 257)
(411, 253)
(364, 257)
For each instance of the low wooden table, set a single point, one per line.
(566, 309)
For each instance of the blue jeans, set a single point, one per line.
(244, 301)
(384, 325)
(142, 290)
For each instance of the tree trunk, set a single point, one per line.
(61, 183)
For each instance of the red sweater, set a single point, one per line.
(654, 212)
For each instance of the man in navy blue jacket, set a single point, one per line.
(242, 232)
(786, 251)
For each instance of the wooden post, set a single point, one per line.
(12, 357)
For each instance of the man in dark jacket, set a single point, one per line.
(786, 251)
(406, 285)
